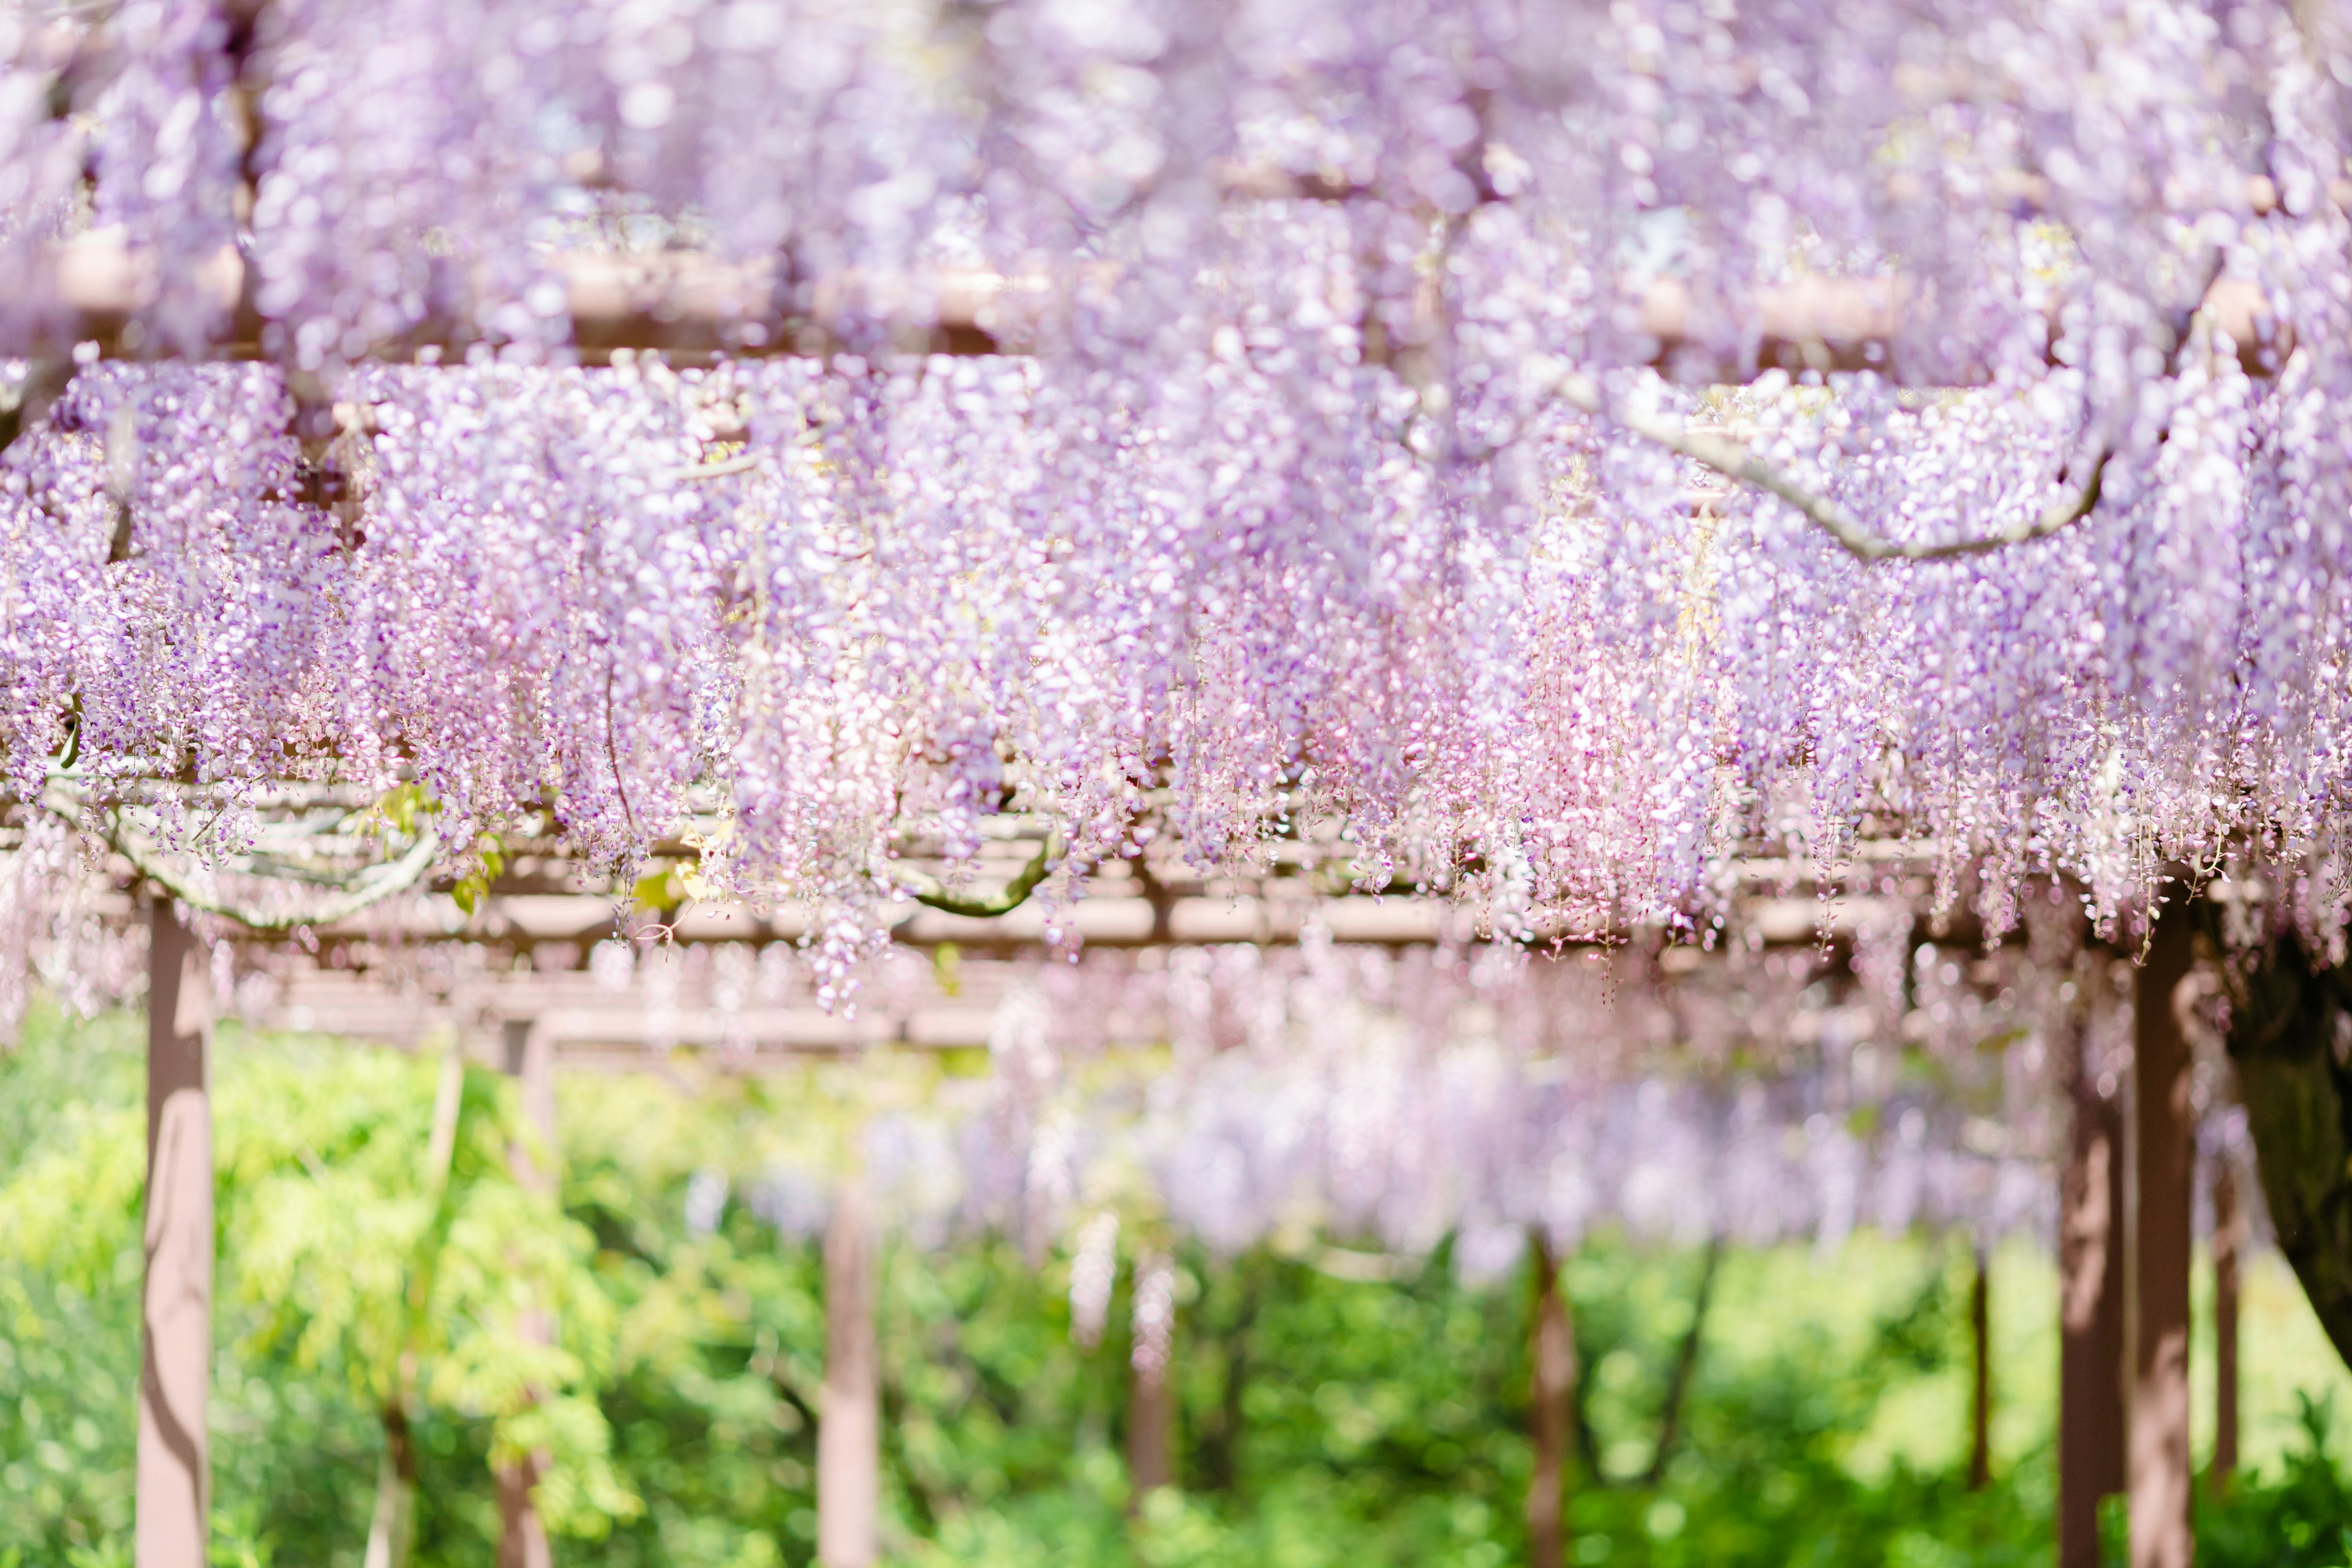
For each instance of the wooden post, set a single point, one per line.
(1150, 1404)
(1551, 1344)
(530, 1059)
(2229, 1245)
(2090, 1308)
(1150, 1413)
(522, 1536)
(849, 1409)
(2164, 1175)
(173, 1486)
(1981, 1343)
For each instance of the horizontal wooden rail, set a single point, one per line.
(693, 307)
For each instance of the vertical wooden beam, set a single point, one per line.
(849, 1409)
(2164, 1176)
(1150, 1402)
(1981, 1343)
(522, 1535)
(2090, 1304)
(2229, 1247)
(1150, 1415)
(1551, 1344)
(173, 1486)
(530, 1059)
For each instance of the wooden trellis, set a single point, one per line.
(533, 1015)
(688, 307)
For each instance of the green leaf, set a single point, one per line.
(659, 890)
(491, 859)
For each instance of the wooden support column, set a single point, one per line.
(2090, 1306)
(530, 1059)
(173, 1487)
(1150, 1402)
(1150, 1415)
(1980, 1345)
(2164, 1176)
(1551, 1344)
(849, 1409)
(2229, 1247)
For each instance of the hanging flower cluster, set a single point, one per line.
(1349, 1093)
(1327, 500)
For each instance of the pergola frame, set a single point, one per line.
(675, 307)
(687, 307)
(531, 1022)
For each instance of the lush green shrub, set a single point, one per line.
(1326, 1422)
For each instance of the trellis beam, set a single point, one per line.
(691, 306)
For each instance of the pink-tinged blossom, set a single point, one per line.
(1280, 528)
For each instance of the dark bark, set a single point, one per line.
(399, 1443)
(793, 1397)
(2290, 1025)
(1980, 1345)
(1670, 1416)
(392, 1531)
(2229, 1242)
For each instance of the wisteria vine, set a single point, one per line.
(1340, 494)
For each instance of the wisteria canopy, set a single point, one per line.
(1534, 451)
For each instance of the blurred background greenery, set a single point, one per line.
(1323, 1420)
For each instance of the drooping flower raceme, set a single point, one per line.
(1280, 525)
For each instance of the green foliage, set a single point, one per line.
(331, 1218)
(401, 807)
(374, 1238)
(404, 808)
(488, 859)
(2303, 1519)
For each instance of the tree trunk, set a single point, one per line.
(2164, 1167)
(1552, 1398)
(1981, 1343)
(174, 1483)
(2229, 1242)
(2090, 1311)
(1670, 1416)
(392, 1529)
(849, 1423)
(530, 1057)
(2288, 1030)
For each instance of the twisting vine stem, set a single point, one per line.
(1734, 462)
(926, 888)
(367, 885)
